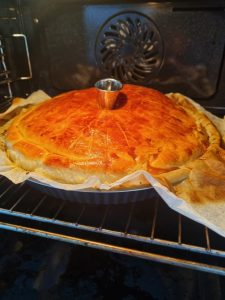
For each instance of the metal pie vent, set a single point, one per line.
(129, 47)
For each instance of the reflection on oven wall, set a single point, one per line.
(168, 46)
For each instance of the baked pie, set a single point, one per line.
(69, 138)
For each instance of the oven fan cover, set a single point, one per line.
(129, 47)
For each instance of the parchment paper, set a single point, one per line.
(211, 215)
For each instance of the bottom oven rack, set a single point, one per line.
(146, 229)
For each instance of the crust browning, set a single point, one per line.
(69, 138)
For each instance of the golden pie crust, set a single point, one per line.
(69, 138)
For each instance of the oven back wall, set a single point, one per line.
(168, 46)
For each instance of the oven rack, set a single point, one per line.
(11, 35)
(146, 229)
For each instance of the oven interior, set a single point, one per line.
(58, 46)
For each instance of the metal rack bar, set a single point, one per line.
(160, 242)
(19, 200)
(38, 205)
(16, 188)
(8, 18)
(179, 230)
(154, 218)
(207, 239)
(6, 190)
(23, 36)
(80, 215)
(58, 208)
(3, 73)
(116, 249)
(6, 80)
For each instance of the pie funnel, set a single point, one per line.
(108, 90)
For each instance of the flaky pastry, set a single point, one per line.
(69, 138)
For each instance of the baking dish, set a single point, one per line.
(93, 196)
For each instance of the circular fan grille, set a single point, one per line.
(129, 47)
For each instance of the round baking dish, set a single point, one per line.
(93, 196)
